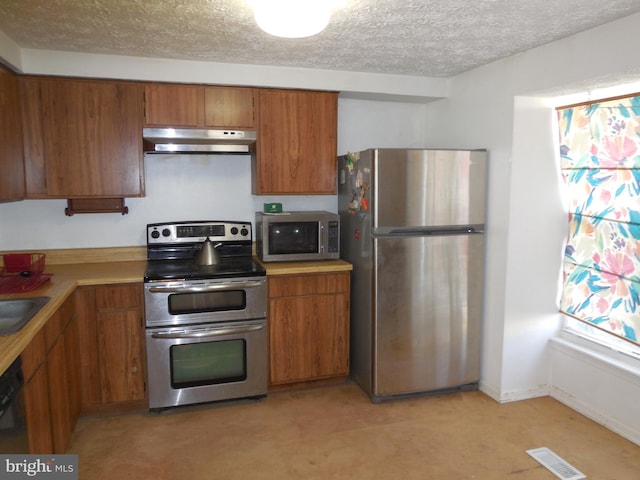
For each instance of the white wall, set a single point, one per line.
(10, 53)
(197, 187)
(505, 107)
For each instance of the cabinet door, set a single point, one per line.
(33, 141)
(229, 107)
(72, 358)
(61, 425)
(112, 353)
(36, 403)
(308, 327)
(174, 105)
(308, 338)
(120, 348)
(11, 153)
(90, 391)
(297, 143)
(52, 398)
(90, 133)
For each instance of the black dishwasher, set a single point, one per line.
(13, 427)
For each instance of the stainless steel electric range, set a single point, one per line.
(205, 310)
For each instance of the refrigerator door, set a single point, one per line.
(427, 313)
(427, 188)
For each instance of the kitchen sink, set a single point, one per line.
(16, 313)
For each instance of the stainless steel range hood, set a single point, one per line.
(189, 140)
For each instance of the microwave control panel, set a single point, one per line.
(334, 237)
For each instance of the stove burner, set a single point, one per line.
(188, 269)
(172, 249)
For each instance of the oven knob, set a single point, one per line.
(155, 234)
(234, 230)
(244, 232)
(166, 232)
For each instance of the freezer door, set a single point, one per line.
(428, 187)
(427, 315)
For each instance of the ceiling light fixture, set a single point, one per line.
(293, 18)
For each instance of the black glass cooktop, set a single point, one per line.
(188, 269)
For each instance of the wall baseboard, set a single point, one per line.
(615, 425)
(601, 385)
(490, 390)
(525, 394)
(515, 395)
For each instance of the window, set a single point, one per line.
(600, 162)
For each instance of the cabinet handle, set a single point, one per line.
(212, 332)
(206, 288)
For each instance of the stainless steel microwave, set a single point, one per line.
(297, 236)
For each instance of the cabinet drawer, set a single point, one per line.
(58, 322)
(118, 297)
(33, 356)
(311, 284)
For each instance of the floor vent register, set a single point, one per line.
(556, 465)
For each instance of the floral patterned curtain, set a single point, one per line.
(600, 162)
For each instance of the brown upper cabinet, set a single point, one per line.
(11, 154)
(82, 138)
(297, 143)
(176, 105)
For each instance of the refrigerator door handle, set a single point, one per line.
(434, 231)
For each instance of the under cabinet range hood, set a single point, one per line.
(190, 140)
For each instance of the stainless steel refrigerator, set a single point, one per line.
(412, 225)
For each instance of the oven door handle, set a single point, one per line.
(207, 288)
(214, 332)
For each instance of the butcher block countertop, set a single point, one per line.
(73, 268)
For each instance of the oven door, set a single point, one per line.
(187, 365)
(169, 303)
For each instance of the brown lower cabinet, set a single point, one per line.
(38, 411)
(88, 358)
(112, 347)
(308, 327)
(52, 397)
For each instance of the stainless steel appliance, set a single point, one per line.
(205, 310)
(192, 140)
(412, 224)
(297, 236)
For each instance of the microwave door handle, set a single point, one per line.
(207, 288)
(214, 332)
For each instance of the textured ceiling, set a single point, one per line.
(436, 38)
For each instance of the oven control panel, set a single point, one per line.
(190, 232)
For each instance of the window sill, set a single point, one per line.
(626, 360)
